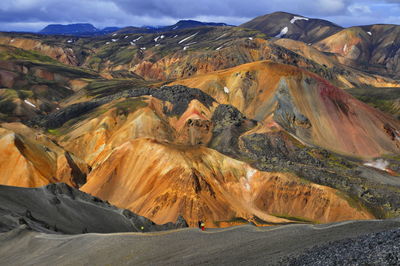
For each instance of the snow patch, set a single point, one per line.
(159, 38)
(132, 43)
(379, 164)
(29, 103)
(175, 36)
(114, 40)
(12, 40)
(157, 45)
(143, 48)
(226, 90)
(250, 173)
(70, 41)
(114, 34)
(185, 48)
(107, 42)
(219, 48)
(250, 38)
(369, 33)
(295, 18)
(187, 38)
(137, 39)
(126, 37)
(345, 48)
(220, 36)
(283, 32)
(174, 28)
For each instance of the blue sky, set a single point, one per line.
(32, 15)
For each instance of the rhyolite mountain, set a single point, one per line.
(210, 122)
(286, 25)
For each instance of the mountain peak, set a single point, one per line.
(282, 24)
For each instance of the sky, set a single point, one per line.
(33, 15)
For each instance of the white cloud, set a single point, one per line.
(358, 9)
(330, 6)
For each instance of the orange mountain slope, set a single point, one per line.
(30, 159)
(305, 105)
(202, 184)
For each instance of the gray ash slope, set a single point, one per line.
(59, 208)
(241, 245)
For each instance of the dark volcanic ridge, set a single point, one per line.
(59, 208)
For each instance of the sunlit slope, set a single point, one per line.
(30, 159)
(202, 184)
(305, 105)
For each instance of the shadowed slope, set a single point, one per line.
(59, 208)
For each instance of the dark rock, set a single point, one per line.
(179, 96)
(229, 124)
(381, 248)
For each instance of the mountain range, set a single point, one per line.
(86, 29)
(281, 120)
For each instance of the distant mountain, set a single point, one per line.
(296, 27)
(86, 29)
(70, 29)
(79, 29)
(182, 24)
(373, 48)
(108, 30)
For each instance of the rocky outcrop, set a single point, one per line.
(179, 96)
(229, 125)
(380, 248)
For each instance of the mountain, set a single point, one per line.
(296, 27)
(374, 48)
(300, 102)
(70, 29)
(182, 24)
(79, 29)
(86, 29)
